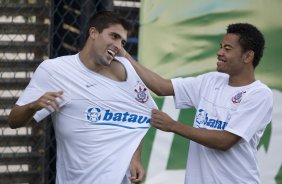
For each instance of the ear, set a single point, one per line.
(93, 32)
(249, 56)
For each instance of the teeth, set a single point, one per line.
(112, 53)
(221, 60)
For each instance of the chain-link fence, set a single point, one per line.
(31, 31)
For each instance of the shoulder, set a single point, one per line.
(258, 93)
(124, 61)
(121, 59)
(117, 71)
(264, 87)
(57, 63)
(216, 76)
(206, 78)
(261, 90)
(212, 78)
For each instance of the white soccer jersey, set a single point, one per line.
(244, 111)
(101, 123)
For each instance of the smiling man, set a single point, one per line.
(233, 110)
(99, 117)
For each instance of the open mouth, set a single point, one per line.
(111, 53)
(221, 60)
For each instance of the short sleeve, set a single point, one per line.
(252, 115)
(40, 83)
(188, 91)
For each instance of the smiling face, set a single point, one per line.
(108, 43)
(230, 56)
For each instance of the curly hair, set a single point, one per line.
(250, 39)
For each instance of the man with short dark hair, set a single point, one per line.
(100, 107)
(233, 110)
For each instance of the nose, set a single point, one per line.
(117, 46)
(219, 52)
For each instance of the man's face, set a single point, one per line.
(108, 43)
(230, 55)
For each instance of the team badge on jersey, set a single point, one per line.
(141, 92)
(201, 118)
(93, 114)
(238, 97)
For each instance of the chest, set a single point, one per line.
(217, 105)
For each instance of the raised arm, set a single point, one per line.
(156, 83)
(21, 115)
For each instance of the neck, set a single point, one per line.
(242, 80)
(88, 60)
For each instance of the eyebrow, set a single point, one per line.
(116, 34)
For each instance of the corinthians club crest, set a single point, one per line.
(141, 92)
(238, 97)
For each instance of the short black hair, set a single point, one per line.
(250, 38)
(104, 19)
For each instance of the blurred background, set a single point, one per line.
(173, 38)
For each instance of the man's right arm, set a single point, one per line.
(21, 115)
(159, 85)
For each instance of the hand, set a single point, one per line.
(162, 121)
(122, 52)
(48, 101)
(136, 170)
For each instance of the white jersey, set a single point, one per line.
(101, 123)
(244, 111)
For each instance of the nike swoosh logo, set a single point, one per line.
(90, 85)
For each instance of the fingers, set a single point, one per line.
(52, 105)
(50, 101)
(156, 116)
(153, 117)
(137, 171)
(122, 52)
(53, 101)
(155, 111)
(137, 176)
(161, 120)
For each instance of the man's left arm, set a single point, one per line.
(136, 169)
